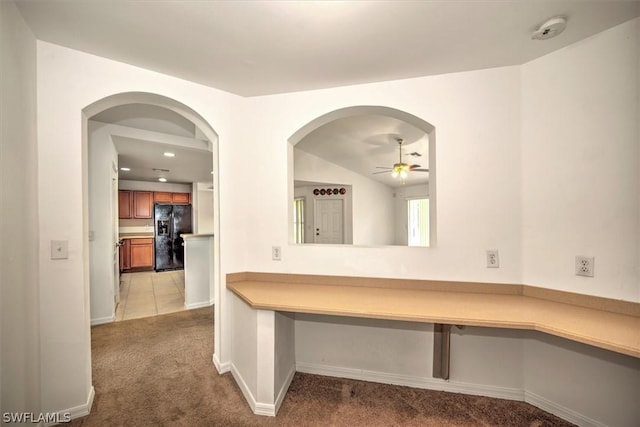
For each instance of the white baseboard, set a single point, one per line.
(454, 387)
(77, 411)
(412, 381)
(220, 367)
(257, 407)
(560, 411)
(200, 304)
(285, 386)
(103, 320)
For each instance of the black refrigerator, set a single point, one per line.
(171, 222)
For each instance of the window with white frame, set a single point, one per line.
(298, 220)
(418, 222)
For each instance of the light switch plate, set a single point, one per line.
(59, 249)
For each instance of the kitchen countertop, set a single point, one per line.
(136, 235)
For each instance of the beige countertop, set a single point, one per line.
(495, 305)
(136, 235)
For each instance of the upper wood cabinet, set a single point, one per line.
(125, 204)
(143, 204)
(139, 204)
(162, 197)
(181, 198)
(167, 197)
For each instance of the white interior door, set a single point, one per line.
(329, 221)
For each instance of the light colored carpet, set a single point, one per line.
(157, 371)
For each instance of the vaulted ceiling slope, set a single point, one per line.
(255, 48)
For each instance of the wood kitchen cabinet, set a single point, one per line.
(139, 204)
(136, 254)
(125, 255)
(125, 204)
(168, 197)
(141, 253)
(183, 198)
(142, 204)
(135, 204)
(162, 197)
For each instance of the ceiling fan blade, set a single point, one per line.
(383, 167)
(414, 166)
(376, 173)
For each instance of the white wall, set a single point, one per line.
(477, 120)
(392, 347)
(580, 148)
(19, 296)
(486, 194)
(102, 156)
(69, 81)
(601, 386)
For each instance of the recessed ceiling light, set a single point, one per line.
(162, 179)
(168, 154)
(125, 169)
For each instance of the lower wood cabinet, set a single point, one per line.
(137, 254)
(125, 255)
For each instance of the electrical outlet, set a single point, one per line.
(584, 266)
(493, 260)
(276, 253)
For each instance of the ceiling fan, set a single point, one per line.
(400, 169)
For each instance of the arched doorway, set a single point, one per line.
(207, 134)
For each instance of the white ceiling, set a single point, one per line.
(142, 135)
(255, 48)
(147, 162)
(264, 47)
(364, 143)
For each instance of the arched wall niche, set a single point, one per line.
(364, 110)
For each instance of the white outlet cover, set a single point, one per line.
(493, 259)
(584, 266)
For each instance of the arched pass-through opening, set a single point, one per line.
(370, 110)
(208, 134)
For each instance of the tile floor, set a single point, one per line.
(149, 293)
